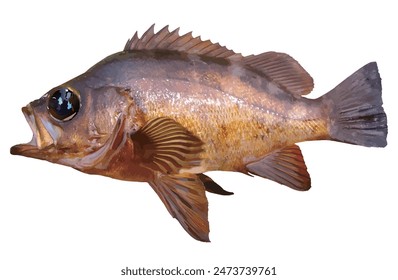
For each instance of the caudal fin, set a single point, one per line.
(355, 109)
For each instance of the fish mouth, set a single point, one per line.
(41, 139)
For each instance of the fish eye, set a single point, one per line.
(63, 104)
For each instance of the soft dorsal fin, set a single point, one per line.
(285, 166)
(279, 68)
(166, 40)
(282, 69)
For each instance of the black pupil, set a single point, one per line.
(63, 104)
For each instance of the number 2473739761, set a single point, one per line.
(244, 270)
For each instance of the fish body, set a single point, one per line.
(200, 94)
(169, 108)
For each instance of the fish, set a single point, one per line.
(168, 108)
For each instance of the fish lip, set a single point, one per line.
(23, 149)
(30, 118)
(41, 139)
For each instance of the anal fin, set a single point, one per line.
(185, 199)
(285, 166)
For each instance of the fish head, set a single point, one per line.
(73, 123)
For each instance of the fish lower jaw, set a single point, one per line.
(22, 149)
(41, 137)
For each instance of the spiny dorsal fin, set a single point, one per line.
(282, 69)
(166, 40)
(165, 145)
(285, 166)
(279, 68)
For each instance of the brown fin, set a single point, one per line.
(212, 186)
(184, 197)
(285, 166)
(166, 146)
(355, 109)
(166, 40)
(283, 70)
(278, 67)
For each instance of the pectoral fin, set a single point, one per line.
(285, 166)
(185, 199)
(165, 145)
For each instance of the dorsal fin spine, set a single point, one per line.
(161, 35)
(166, 40)
(279, 68)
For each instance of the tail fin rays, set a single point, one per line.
(355, 109)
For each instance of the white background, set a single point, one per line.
(58, 223)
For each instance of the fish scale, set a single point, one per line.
(239, 118)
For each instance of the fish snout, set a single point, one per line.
(23, 149)
(41, 137)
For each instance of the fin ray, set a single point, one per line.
(185, 199)
(355, 109)
(164, 145)
(166, 40)
(283, 70)
(285, 166)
